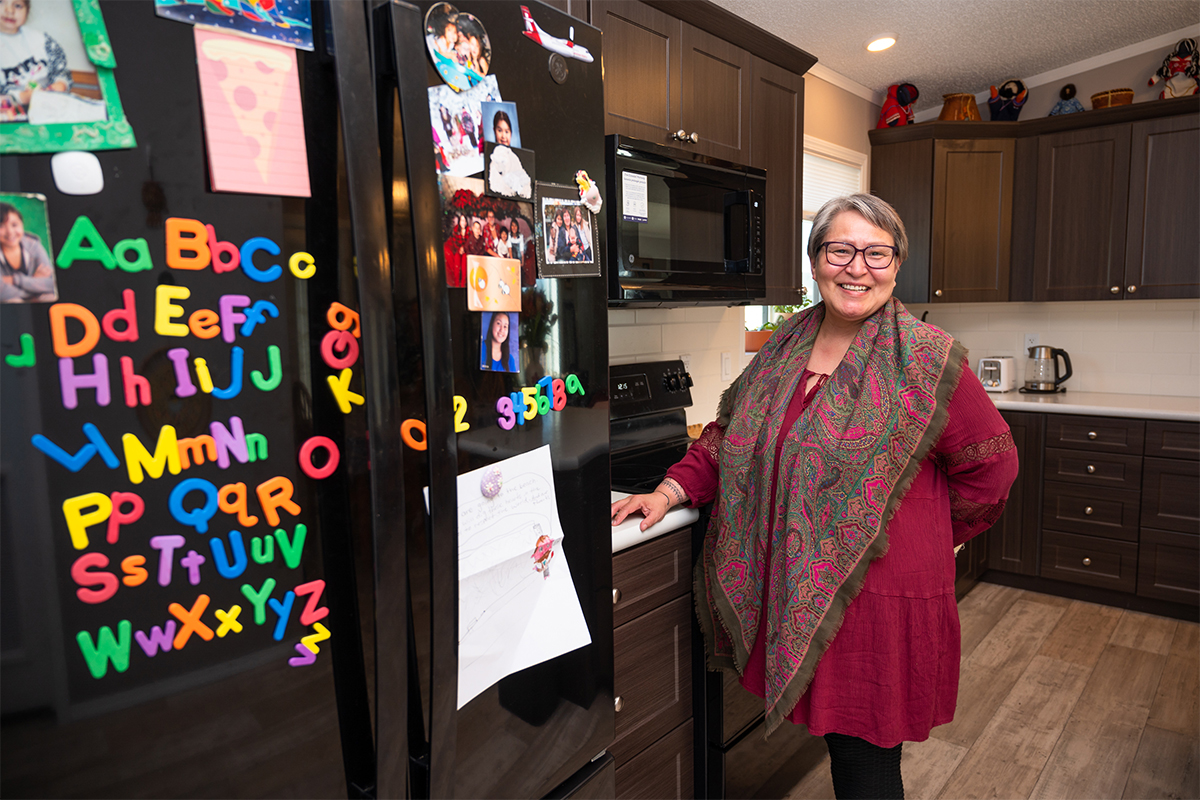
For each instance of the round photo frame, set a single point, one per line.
(459, 45)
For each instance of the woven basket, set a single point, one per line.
(1113, 97)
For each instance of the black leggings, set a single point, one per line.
(863, 771)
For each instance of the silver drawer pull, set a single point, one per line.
(616, 595)
(1091, 469)
(1115, 290)
(1092, 434)
(1087, 562)
(618, 703)
(1089, 510)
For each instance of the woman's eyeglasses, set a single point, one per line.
(876, 256)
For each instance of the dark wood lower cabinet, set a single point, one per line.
(652, 668)
(1013, 540)
(1090, 560)
(1169, 566)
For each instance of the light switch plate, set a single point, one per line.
(726, 366)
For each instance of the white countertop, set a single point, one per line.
(1102, 404)
(627, 534)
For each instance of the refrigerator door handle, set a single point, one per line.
(382, 388)
(424, 199)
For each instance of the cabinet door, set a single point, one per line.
(1013, 540)
(777, 145)
(716, 95)
(1169, 566)
(902, 174)
(576, 8)
(1163, 239)
(1169, 498)
(642, 88)
(971, 240)
(1082, 196)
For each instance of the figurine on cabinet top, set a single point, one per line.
(897, 108)
(1005, 102)
(1067, 103)
(1179, 71)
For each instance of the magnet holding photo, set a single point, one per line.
(77, 172)
(27, 357)
(558, 68)
(491, 482)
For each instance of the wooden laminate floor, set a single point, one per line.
(1060, 699)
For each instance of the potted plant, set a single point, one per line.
(757, 338)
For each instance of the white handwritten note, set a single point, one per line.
(517, 604)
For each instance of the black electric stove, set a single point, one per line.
(647, 421)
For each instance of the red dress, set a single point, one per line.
(891, 673)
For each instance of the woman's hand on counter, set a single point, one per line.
(652, 506)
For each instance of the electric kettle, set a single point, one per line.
(1041, 371)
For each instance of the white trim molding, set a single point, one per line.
(839, 80)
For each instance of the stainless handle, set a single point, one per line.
(1089, 511)
(694, 138)
(1131, 289)
(1091, 469)
(802, 291)
(937, 292)
(616, 595)
(1092, 434)
(1115, 290)
(1087, 562)
(679, 135)
(618, 703)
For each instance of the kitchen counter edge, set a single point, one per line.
(627, 534)
(1102, 404)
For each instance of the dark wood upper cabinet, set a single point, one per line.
(642, 69)
(777, 145)
(576, 8)
(970, 243)
(901, 174)
(1082, 197)
(1162, 239)
(716, 96)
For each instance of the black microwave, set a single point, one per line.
(683, 229)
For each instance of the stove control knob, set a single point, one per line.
(674, 383)
(687, 380)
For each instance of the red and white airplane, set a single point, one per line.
(564, 47)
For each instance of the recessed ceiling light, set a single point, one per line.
(881, 42)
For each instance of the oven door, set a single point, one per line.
(687, 231)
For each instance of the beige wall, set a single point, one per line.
(835, 115)
(1130, 73)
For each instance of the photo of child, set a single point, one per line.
(500, 124)
(499, 345)
(26, 271)
(457, 120)
(45, 74)
(458, 45)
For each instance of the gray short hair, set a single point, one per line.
(874, 210)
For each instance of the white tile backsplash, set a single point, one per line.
(1121, 346)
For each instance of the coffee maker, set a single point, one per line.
(1042, 375)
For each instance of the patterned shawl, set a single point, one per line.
(844, 467)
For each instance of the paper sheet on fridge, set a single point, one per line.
(516, 601)
(253, 120)
(48, 108)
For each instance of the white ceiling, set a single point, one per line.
(948, 46)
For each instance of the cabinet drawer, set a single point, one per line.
(1089, 560)
(1095, 434)
(662, 770)
(1091, 510)
(1094, 469)
(650, 574)
(1173, 439)
(652, 676)
(1171, 494)
(1169, 566)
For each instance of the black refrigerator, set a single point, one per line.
(251, 589)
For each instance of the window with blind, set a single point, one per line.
(829, 171)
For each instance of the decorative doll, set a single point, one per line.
(1179, 71)
(897, 108)
(1005, 102)
(1067, 103)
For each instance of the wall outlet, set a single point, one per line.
(726, 366)
(686, 358)
(1031, 340)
